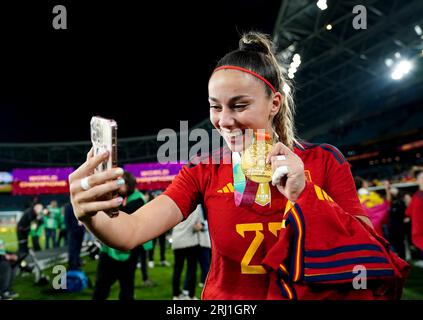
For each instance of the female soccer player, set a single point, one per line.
(298, 236)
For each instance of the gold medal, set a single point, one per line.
(253, 159)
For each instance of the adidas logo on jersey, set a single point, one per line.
(229, 188)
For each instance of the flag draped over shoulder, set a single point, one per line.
(322, 245)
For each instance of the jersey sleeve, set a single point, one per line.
(410, 208)
(187, 189)
(339, 184)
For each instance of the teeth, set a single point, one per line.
(232, 134)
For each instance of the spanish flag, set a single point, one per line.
(324, 250)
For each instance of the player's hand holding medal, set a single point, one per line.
(288, 171)
(266, 160)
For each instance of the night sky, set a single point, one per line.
(145, 65)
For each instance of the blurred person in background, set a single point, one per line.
(116, 265)
(375, 205)
(407, 227)
(367, 198)
(8, 262)
(396, 234)
(62, 229)
(204, 250)
(162, 244)
(75, 234)
(37, 227)
(133, 200)
(415, 212)
(51, 222)
(186, 247)
(24, 226)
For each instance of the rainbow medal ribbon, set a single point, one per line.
(244, 190)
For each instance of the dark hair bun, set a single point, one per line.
(255, 42)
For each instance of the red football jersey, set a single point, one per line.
(415, 212)
(241, 236)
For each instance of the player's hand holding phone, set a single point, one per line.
(94, 185)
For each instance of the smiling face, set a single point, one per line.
(238, 101)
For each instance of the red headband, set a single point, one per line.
(247, 71)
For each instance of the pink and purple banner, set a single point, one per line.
(153, 175)
(41, 181)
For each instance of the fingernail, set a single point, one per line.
(119, 200)
(119, 171)
(120, 182)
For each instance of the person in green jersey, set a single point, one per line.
(115, 265)
(51, 219)
(62, 228)
(36, 231)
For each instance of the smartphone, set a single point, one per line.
(104, 138)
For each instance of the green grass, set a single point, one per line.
(162, 276)
(8, 235)
(28, 290)
(413, 289)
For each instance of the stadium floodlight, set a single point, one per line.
(396, 75)
(296, 58)
(295, 64)
(296, 61)
(322, 5)
(401, 69)
(329, 27)
(405, 66)
(292, 69)
(418, 30)
(389, 62)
